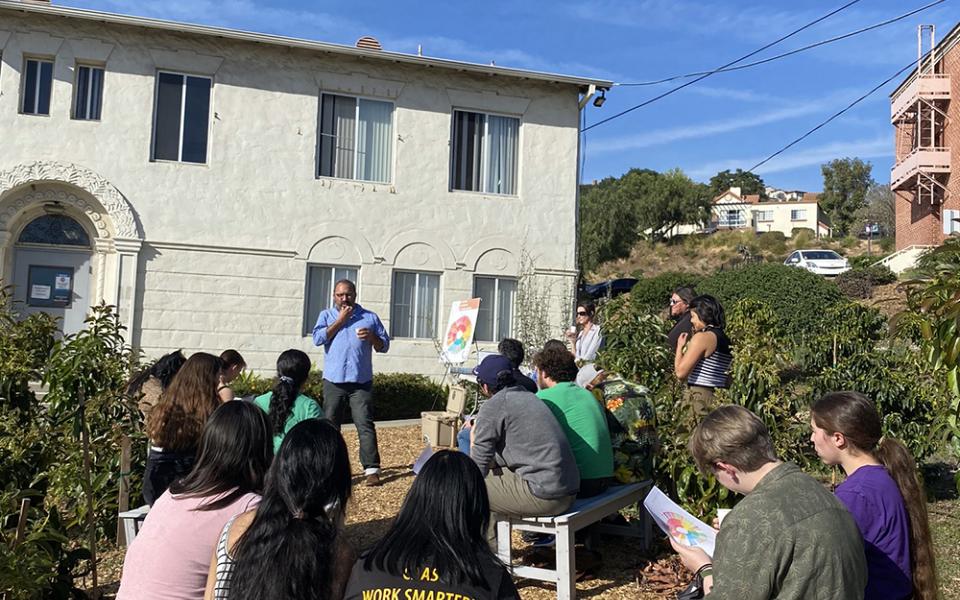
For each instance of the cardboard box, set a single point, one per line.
(440, 428)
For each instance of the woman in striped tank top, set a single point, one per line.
(703, 358)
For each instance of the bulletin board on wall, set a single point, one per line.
(49, 286)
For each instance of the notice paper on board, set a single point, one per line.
(677, 523)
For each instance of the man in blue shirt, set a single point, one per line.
(349, 334)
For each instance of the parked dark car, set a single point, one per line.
(607, 289)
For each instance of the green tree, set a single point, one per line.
(673, 199)
(748, 182)
(880, 208)
(608, 220)
(845, 185)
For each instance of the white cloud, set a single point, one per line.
(794, 159)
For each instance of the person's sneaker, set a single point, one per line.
(545, 541)
(372, 480)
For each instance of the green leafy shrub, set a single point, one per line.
(849, 242)
(802, 236)
(651, 295)
(797, 297)
(863, 261)
(881, 274)
(887, 244)
(635, 344)
(772, 241)
(855, 283)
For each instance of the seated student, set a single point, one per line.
(521, 450)
(513, 350)
(292, 546)
(170, 556)
(789, 538)
(233, 364)
(580, 417)
(882, 493)
(285, 404)
(437, 543)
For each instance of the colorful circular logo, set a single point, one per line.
(683, 530)
(460, 331)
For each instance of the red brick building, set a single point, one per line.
(926, 117)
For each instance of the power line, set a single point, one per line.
(729, 64)
(910, 65)
(786, 54)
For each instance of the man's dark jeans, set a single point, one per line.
(336, 396)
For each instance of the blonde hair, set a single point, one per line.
(734, 435)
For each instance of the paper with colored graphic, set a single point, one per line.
(677, 523)
(460, 329)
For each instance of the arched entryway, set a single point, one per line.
(51, 268)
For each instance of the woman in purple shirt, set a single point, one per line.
(882, 493)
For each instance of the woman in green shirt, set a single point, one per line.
(285, 405)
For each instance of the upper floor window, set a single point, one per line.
(182, 117)
(356, 138)
(88, 93)
(413, 309)
(37, 86)
(497, 296)
(798, 214)
(321, 280)
(484, 153)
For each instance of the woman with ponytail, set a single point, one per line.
(285, 405)
(882, 492)
(291, 547)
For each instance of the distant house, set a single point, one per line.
(798, 210)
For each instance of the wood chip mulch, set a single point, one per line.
(616, 568)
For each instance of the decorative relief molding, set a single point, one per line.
(112, 201)
(92, 212)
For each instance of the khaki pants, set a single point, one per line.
(700, 401)
(511, 496)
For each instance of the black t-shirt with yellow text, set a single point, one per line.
(427, 584)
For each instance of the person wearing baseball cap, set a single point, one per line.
(528, 465)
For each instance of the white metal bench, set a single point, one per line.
(132, 520)
(583, 513)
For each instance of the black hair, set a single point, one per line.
(293, 368)
(685, 293)
(289, 549)
(588, 306)
(235, 452)
(442, 523)
(512, 349)
(554, 344)
(232, 358)
(347, 282)
(505, 379)
(164, 368)
(557, 364)
(709, 310)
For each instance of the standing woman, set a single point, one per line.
(883, 494)
(233, 364)
(150, 383)
(703, 358)
(285, 405)
(292, 546)
(176, 423)
(585, 337)
(438, 543)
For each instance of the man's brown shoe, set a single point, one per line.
(373, 480)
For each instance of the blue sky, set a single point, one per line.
(728, 120)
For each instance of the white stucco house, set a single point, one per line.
(783, 213)
(214, 183)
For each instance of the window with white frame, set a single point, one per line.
(321, 279)
(497, 296)
(37, 86)
(413, 307)
(764, 215)
(356, 138)
(181, 118)
(87, 93)
(484, 153)
(951, 222)
(798, 214)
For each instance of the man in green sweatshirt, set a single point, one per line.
(789, 538)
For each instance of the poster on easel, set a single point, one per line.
(460, 329)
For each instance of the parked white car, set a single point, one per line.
(821, 262)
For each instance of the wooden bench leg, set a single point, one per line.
(566, 565)
(504, 532)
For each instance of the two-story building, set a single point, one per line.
(213, 184)
(785, 212)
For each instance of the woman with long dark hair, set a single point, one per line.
(585, 336)
(438, 541)
(704, 357)
(285, 404)
(170, 556)
(291, 547)
(150, 383)
(176, 423)
(883, 494)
